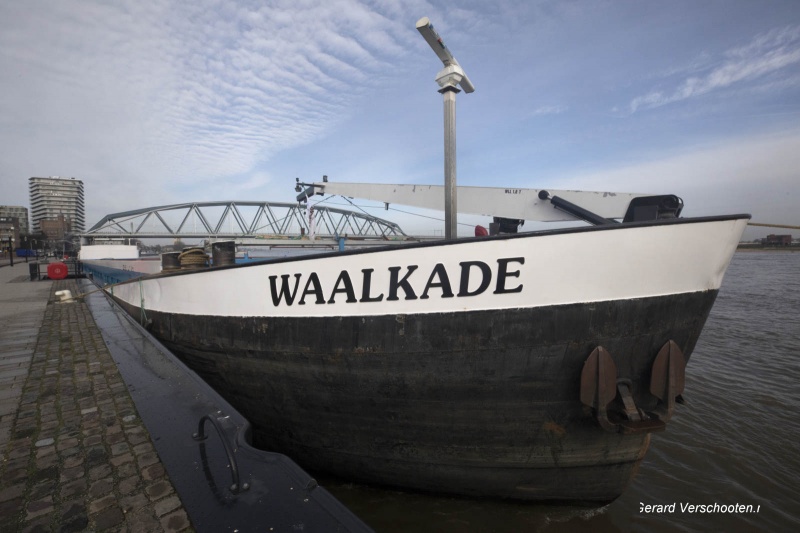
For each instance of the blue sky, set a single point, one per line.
(152, 102)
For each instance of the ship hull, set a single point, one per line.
(472, 398)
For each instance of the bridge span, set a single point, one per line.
(247, 222)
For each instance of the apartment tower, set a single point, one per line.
(54, 196)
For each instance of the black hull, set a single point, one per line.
(481, 403)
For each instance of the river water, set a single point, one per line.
(734, 442)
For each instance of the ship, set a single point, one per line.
(524, 365)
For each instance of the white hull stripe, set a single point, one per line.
(540, 270)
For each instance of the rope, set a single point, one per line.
(772, 225)
(143, 317)
(383, 208)
(193, 258)
(85, 294)
(354, 205)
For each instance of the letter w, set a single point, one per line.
(284, 292)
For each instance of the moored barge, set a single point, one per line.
(529, 366)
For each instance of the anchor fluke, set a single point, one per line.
(599, 385)
(668, 378)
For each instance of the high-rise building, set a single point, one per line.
(18, 212)
(54, 196)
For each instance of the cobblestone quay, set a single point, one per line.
(75, 454)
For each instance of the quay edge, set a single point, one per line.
(88, 444)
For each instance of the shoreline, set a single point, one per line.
(741, 248)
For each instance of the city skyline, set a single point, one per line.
(163, 104)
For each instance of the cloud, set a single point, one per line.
(160, 102)
(756, 175)
(158, 95)
(768, 53)
(550, 110)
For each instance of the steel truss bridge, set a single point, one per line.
(247, 222)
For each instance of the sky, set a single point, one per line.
(154, 102)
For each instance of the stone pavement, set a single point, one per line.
(75, 454)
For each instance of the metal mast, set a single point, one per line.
(448, 79)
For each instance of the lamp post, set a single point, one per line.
(11, 251)
(451, 76)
